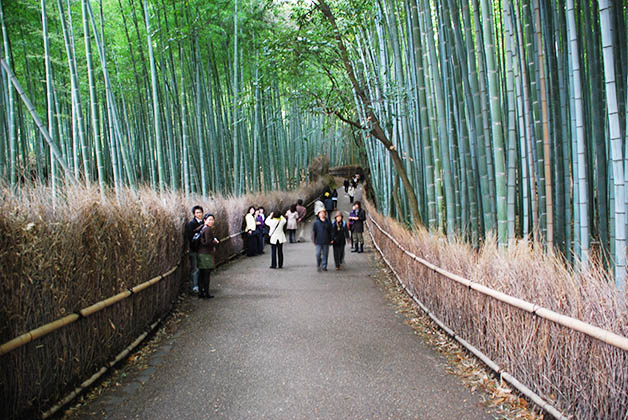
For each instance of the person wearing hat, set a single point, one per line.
(329, 202)
(358, 217)
(321, 236)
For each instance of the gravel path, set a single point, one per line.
(292, 344)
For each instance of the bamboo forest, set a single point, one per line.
(471, 157)
(472, 116)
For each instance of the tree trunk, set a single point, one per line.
(375, 128)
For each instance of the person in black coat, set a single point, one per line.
(329, 202)
(357, 227)
(206, 251)
(321, 236)
(346, 184)
(192, 227)
(340, 234)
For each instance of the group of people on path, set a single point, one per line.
(337, 233)
(258, 229)
(351, 185)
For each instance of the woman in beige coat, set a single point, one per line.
(276, 222)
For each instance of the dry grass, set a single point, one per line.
(55, 260)
(579, 375)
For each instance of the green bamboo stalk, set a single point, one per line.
(77, 115)
(579, 134)
(546, 135)
(54, 150)
(606, 10)
(157, 119)
(10, 107)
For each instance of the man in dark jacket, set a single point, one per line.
(321, 236)
(194, 226)
(329, 202)
(334, 199)
(357, 227)
(346, 184)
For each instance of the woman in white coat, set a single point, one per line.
(276, 222)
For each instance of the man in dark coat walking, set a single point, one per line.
(321, 236)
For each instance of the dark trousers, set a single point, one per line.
(252, 247)
(339, 254)
(277, 251)
(291, 233)
(351, 199)
(260, 242)
(203, 283)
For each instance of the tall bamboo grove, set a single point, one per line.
(510, 117)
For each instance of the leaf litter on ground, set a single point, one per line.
(497, 395)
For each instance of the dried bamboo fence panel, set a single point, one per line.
(572, 365)
(84, 252)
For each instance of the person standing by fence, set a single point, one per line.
(276, 222)
(251, 233)
(260, 229)
(339, 240)
(206, 252)
(291, 226)
(302, 211)
(321, 236)
(194, 226)
(357, 227)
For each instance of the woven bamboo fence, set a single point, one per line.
(79, 288)
(569, 367)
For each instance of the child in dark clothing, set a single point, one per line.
(340, 234)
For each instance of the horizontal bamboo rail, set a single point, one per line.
(55, 325)
(83, 313)
(39, 332)
(574, 324)
(538, 400)
(86, 384)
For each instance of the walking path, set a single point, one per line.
(293, 344)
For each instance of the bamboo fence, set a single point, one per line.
(570, 323)
(97, 307)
